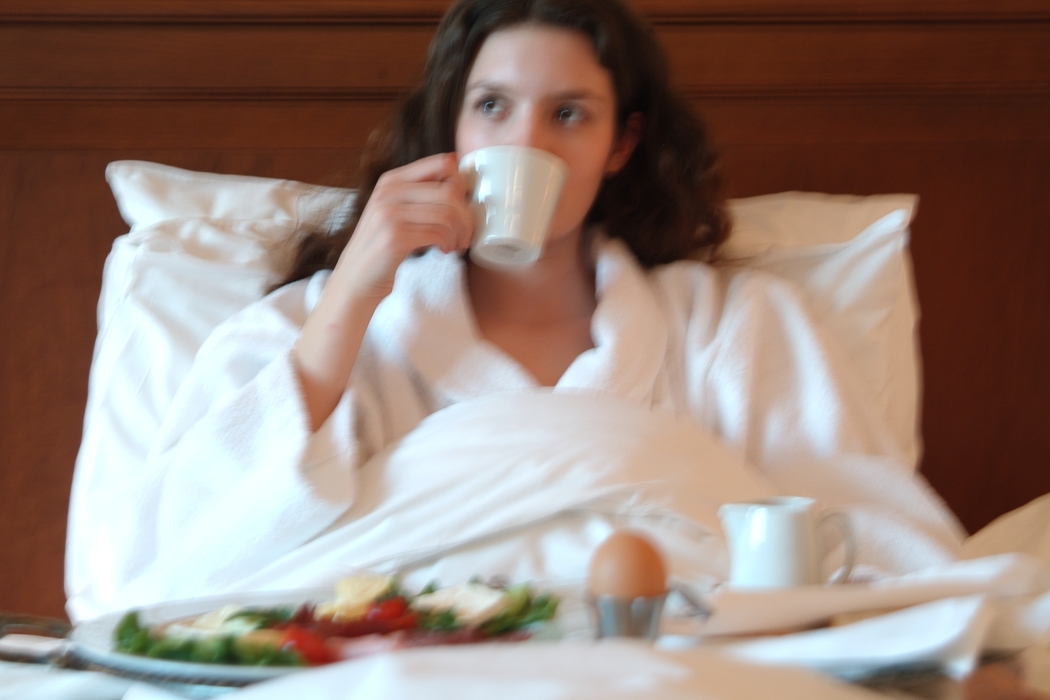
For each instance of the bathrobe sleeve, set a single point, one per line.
(234, 478)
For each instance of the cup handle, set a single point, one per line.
(842, 520)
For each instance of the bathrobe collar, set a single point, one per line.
(428, 318)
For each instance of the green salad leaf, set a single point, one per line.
(265, 617)
(523, 609)
(134, 638)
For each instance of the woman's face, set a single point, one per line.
(542, 86)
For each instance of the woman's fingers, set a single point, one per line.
(448, 212)
(452, 191)
(447, 223)
(420, 205)
(432, 180)
(450, 222)
(442, 203)
(443, 200)
(442, 166)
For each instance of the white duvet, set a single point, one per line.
(526, 484)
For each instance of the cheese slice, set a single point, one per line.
(217, 623)
(352, 596)
(472, 603)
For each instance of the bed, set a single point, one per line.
(523, 483)
(948, 101)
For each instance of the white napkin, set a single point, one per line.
(742, 611)
(950, 615)
(945, 635)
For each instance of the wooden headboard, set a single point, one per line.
(946, 98)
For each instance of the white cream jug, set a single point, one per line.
(773, 542)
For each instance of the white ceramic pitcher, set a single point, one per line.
(773, 542)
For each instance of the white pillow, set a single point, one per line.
(202, 246)
(850, 256)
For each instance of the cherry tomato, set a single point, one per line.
(408, 621)
(386, 610)
(310, 646)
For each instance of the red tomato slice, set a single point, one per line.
(310, 646)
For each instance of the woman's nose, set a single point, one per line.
(530, 130)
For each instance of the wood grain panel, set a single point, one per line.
(44, 372)
(834, 120)
(56, 124)
(888, 60)
(206, 57)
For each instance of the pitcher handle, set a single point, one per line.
(843, 522)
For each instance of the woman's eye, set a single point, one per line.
(570, 114)
(490, 106)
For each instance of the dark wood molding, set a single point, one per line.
(429, 11)
(117, 62)
(399, 12)
(662, 12)
(948, 92)
(132, 94)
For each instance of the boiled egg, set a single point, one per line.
(627, 565)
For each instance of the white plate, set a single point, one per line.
(93, 641)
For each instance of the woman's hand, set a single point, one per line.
(417, 206)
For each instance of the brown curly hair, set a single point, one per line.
(665, 203)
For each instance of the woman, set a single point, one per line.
(638, 162)
(258, 455)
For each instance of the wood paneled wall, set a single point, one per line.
(946, 98)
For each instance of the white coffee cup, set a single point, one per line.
(515, 190)
(773, 542)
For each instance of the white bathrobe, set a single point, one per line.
(236, 481)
